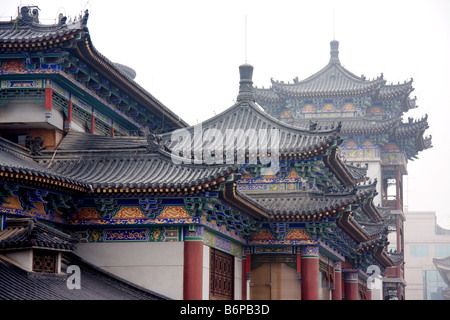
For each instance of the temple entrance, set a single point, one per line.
(274, 278)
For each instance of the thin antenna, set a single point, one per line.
(245, 38)
(334, 24)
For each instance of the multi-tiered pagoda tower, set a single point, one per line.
(370, 111)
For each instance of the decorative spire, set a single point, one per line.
(334, 52)
(246, 91)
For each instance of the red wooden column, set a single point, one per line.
(48, 102)
(310, 272)
(351, 285)
(336, 293)
(193, 270)
(92, 123)
(246, 268)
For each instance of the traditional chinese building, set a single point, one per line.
(373, 133)
(57, 68)
(184, 214)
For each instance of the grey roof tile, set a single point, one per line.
(30, 233)
(302, 203)
(248, 116)
(96, 284)
(16, 159)
(106, 162)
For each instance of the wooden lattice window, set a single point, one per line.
(221, 280)
(44, 261)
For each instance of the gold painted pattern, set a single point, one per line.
(129, 213)
(293, 174)
(297, 234)
(262, 235)
(174, 212)
(87, 213)
(12, 203)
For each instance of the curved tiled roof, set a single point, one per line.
(25, 31)
(357, 125)
(142, 171)
(248, 116)
(395, 257)
(358, 172)
(291, 204)
(25, 34)
(106, 162)
(332, 80)
(412, 128)
(15, 159)
(96, 284)
(371, 229)
(30, 233)
(269, 96)
(396, 90)
(443, 266)
(74, 141)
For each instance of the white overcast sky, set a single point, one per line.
(187, 54)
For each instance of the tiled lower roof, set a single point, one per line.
(126, 170)
(22, 233)
(75, 141)
(443, 266)
(14, 159)
(355, 125)
(300, 203)
(96, 284)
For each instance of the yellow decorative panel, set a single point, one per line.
(173, 212)
(129, 213)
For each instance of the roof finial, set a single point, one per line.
(245, 38)
(246, 91)
(334, 52)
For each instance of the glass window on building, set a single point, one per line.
(418, 251)
(433, 285)
(442, 251)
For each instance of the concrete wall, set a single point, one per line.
(157, 266)
(23, 111)
(237, 279)
(206, 269)
(420, 230)
(23, 257)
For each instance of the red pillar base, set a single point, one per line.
(310, 272)
(336, 294)
(368, 294)
(351, 285)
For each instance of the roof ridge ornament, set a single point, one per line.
(154, 141)
(29, 15)
(246, 90)
(334, 52)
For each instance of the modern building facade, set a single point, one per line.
(427, 246)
